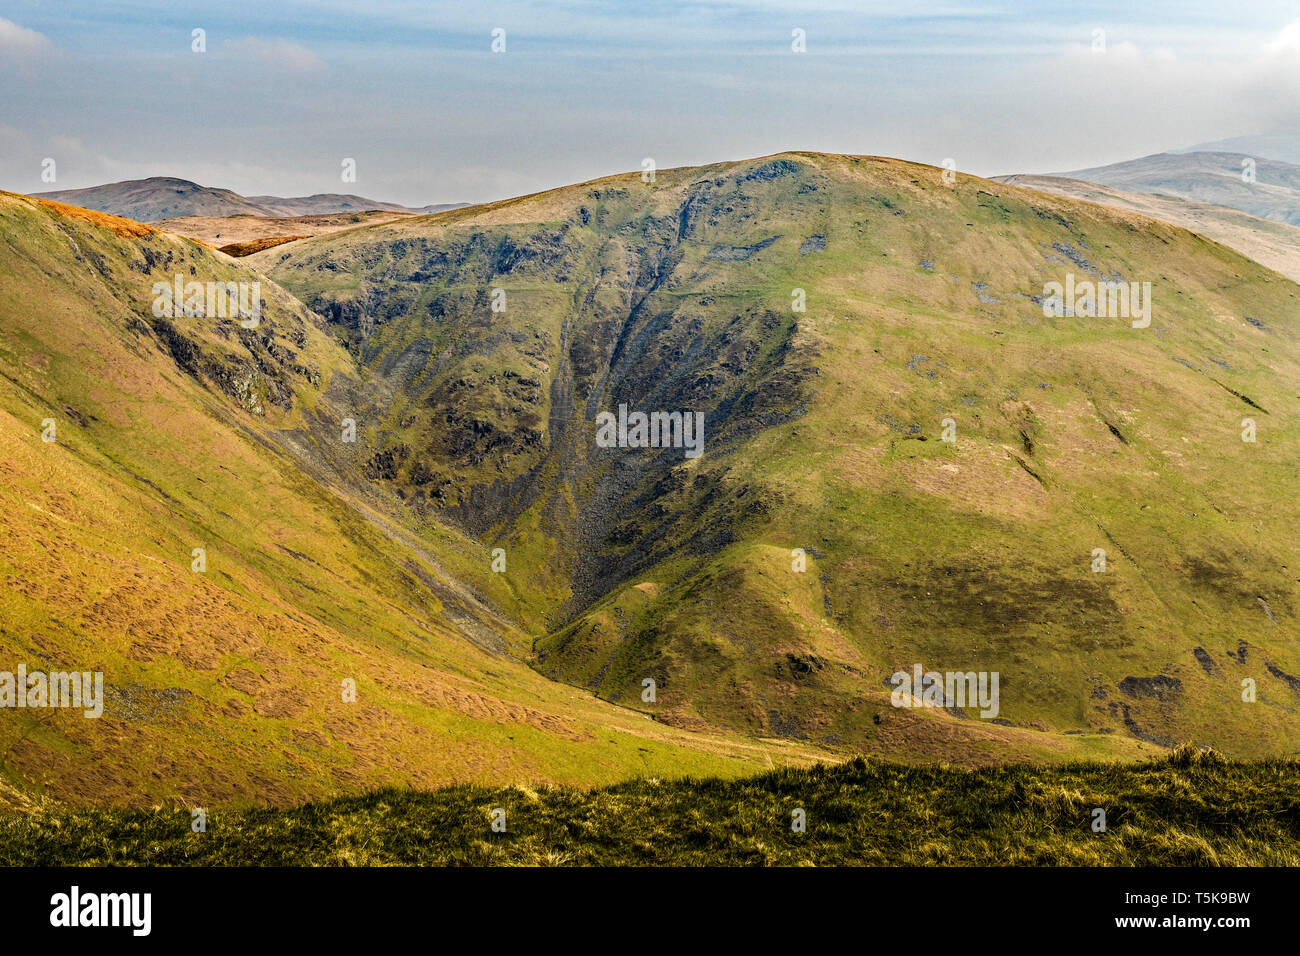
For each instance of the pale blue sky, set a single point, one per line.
(412, 91)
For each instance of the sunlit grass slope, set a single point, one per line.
(227, 684)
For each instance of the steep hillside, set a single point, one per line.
(828, 536)
(1273, 192)
(1273, 244)
(224, 678)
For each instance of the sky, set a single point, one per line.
(414, 93)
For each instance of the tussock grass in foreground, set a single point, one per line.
(1191, 809)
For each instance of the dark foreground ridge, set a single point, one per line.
(1190, 809)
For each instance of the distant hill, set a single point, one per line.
(1284, 146)
(1208, 177)
(326, 203)
(164, 197)
(160, 197)
(1274, 244)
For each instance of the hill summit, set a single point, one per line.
(911, 457)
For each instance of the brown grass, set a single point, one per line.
(119, 225)
(239, 249)
(219, 231)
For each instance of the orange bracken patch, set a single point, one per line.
(119, 225)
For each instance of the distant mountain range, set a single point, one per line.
(164, 197)
(1271, 191)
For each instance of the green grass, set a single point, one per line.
(1191, 809)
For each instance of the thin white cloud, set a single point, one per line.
(276, 52)
(1287, 41)
(22, 49)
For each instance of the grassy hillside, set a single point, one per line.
(184, 433)
(824, 433)
(827, 537)
(1272, 244)
(1191, 810)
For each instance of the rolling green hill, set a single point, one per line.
(824, 433)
